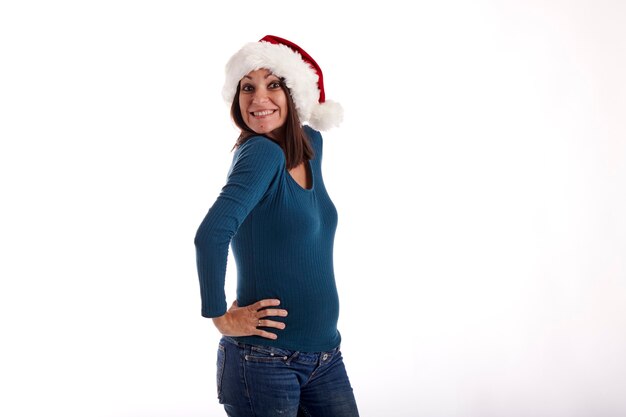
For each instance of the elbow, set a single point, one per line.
(208, 237)
(203, 240)
(197, 240)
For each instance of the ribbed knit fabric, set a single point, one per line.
(282, 239)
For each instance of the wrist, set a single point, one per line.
(221, 322)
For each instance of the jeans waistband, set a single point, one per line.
(235, 342)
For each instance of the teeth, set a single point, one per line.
(262, 113)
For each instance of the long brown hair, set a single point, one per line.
(295, 142)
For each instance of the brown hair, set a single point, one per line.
(295, 143)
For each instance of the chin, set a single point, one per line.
(265, 130)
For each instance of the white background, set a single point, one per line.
(480, 178)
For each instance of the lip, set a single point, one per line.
(259, 114)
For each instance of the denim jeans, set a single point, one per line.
(258, 381)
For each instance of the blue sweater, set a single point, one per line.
(282, 239)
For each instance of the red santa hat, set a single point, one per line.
(301, 73)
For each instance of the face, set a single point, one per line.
(263, 102)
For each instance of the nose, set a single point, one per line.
(260, 96)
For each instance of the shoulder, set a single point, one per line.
(260, 144)
(315, 137)
(260, 149)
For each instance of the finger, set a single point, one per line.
(271, 323)
(269, 302)
(266, 335)
(272, 312)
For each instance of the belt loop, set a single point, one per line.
(246, 349)
(292, 357)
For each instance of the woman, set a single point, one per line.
(279, 354)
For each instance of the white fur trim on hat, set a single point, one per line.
(299, 76)
(326, 115)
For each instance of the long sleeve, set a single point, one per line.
(256, 165)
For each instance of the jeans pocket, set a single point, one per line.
(267, 354)
(221, 359)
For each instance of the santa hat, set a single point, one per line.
(301, 75)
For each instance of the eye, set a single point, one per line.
(274, 85)
(247, 88)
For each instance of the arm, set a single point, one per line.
(255, 167)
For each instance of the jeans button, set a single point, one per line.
(325, 356)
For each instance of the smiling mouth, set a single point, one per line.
(262, 113)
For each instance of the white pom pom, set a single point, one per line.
(326, 115)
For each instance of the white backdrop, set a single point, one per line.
(479, 176)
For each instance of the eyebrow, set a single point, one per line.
(268, 75)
